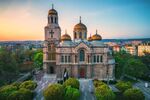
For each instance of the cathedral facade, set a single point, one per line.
(80, 57)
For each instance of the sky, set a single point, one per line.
(119, 19)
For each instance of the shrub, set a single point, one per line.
(5, 91)
(54, 92)
(133, 94)
(122, 86)
(103, 92)
(98, 83)
(74, 83)
(21, 94)
(31, 85)
(71, 93)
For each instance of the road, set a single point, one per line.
(85, 87)
(42, 84)
(146, 91)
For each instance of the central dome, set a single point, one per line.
(80, 26)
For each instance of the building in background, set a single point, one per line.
(144, 47)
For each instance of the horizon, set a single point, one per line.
(23, 20)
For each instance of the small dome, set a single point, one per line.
(65, 37)
(96, 36)
(52, 12)
(90, 38)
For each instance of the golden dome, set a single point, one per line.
(52, 12)
(96, 36)
(65, 37)
(80, 26)
(90, 38)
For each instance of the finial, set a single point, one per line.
(96, 31)
(65, 31)
(80, 19)
(52, 6)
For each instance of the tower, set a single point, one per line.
(80, 31)
(52, 38)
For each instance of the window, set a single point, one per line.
(80, 35)
(75, 35)
(69, 59)
(82, 54)
(51, 19)
(97, 58)
(55, 20)
(85, 35)
(101, 58)
(94, 59)
(65, 59)
(62, 59)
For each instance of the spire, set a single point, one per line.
(80, 19)
(96, 31)
(52, 6)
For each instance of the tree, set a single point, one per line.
(74, 83)
(8, 66)
(122, 86)
(121, 59)
(71, 93)
(21, 94)
(133, 94)
(104, 93)
(5, 91)
(54, 92)
(31, 85)
(38, 59)
(135, 68)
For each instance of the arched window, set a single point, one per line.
(52, 19)
(82, 55)
(80, 35)
(75, 58)
(55, 20)
(75, 35)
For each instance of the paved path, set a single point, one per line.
(85, 87)
(42, 84)
(145, 90)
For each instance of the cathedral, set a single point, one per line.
(80, 57)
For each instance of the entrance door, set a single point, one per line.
(51, 70)
(82, 72)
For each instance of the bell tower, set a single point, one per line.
(52, 38)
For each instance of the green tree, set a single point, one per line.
(71, 93)
(31, 85)
(122, 86)
(133, 94)
(104, 93)
(121, 59)
(135, 68)
(8, 66)
(38, 59)
(21, 94)
(54, 92)
(74, 83)
(5, 91)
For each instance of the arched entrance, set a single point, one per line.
(51, 70)
(82, 72)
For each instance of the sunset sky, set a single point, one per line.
(25, 19)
